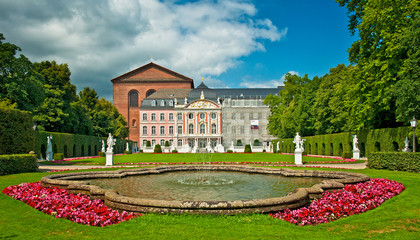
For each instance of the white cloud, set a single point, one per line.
(249, 82)
(103, 39)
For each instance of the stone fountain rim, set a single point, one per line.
(298, 198)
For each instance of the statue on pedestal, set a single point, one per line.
(355, 143)
(110, 142)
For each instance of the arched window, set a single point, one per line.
(213, 115)
(179, 116)
(171, 103)
(162, 117)
(134, 99)
(144, 130)
(171, 116)
(162, 130)
(179, 129)
(162, 103)
(213, 129)
(153, 103)
(150, 92)
(191, 129)
(153, 130)
(202, 115)
(162, 142)
(153, 117)
(144, 116)
(171, 130)
(171, 142)
(191, 116)
(144, 142)
(134, 123)
(179, 142)
(202, 129)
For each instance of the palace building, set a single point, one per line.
(163, 106)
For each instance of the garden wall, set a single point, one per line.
(17, 163)
(74, 145)
(370, 141)
(395, 161)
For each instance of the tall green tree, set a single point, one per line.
(387, 58)
(18, 82)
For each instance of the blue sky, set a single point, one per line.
(231, 43)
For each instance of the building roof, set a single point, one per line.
(246, 93)
(152, 72)
(208, 93)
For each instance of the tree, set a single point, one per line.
(387, 58)
(18, 83)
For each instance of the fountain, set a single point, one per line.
(82, 182)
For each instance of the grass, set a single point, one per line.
(397, 218)
(197, 157)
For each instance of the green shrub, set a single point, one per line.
(174, 151)
(248, 148)
(16, 132)
(141, 150)
(264, 150)
(101, 154)
(238, 142)
(128, 152)
(257, 142)
(148, 144)
(18, 163)
(229, 151)
(158, 149)
(166, 143)
(395, 161)
(58, 156)
(347, 155)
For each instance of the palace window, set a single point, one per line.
(162, 103)
(162, 117)
(179, 142)
(162, 130)
(144, 116)
(144, 130)
(202, 129)
(171, 117)
(134, 99)
(179, 129)
(213, 115)
(171, 130)
(153, 103)
(153, 130)
(179, 116)
(162, 142)
(202, 115)
(191, 116)
(171, 103)
(144, 142)
(171, 142)
(153, 142)
(213, 129)
(153, 116)
(134, 123)
(191, 129)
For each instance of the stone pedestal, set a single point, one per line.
(109, 159)
(298, 157)
(356, 154)
(219, 148)
(49, 156)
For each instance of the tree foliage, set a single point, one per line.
(45, 89)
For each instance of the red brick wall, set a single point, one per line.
(121, 99)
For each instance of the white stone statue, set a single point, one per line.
(218, 100)
(407, 145)
(202, 95)
(299, 143)
(127, 148)
(278, 145)
(355, 143)
(176, 101)
(103, 146)
(186, 101)
(110, 142)
(49, 153)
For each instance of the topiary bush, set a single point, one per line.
(128, 152)
(174, 151)
(101, 154)
(166, 143)
(248, 149)
(229, 151)
(238, 142)
(158, 149)
(16, 132)
(18, 163)
(395, 161)
(347, 155)
(148, 144)
(58, 156)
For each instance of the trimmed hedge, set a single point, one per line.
(58, 156)
(248, 149)
(18, 163)
(395, 161)
(16, 132)
(158, 149)
(370, 141)
(74, 145)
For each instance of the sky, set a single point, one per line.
(230, 43)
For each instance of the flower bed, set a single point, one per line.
(353, 199)
(59, 203)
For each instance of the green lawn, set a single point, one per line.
(398, 218)
(197, 157)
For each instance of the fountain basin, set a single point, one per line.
(76, 183)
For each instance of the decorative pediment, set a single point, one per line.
(202, 104)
